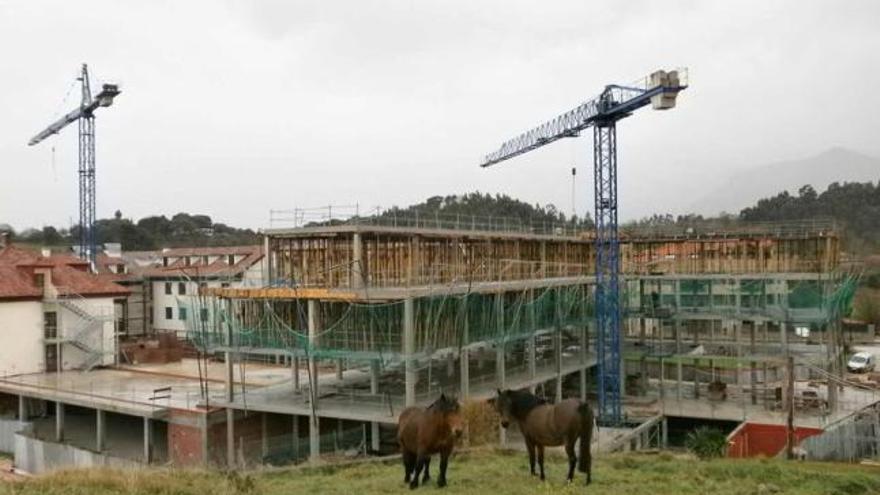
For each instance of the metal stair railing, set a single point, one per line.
(90, 326)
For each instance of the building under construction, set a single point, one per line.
(375, 315)
(351, 322)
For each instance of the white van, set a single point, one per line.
(861, 362)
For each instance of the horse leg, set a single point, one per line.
(414, 479)
(444, 463)
(572, 458)
(409, 464)
(541, 460)
(530, 446)
(427, 475)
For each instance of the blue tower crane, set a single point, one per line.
(616, 102)
(84, 114)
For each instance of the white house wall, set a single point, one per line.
(21, 327)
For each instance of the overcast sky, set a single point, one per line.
(230, 108)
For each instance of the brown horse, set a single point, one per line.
(549, 425)
(423, 432)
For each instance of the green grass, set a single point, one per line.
(485, 473)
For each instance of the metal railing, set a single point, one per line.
(333, 215)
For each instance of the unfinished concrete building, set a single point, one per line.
(353, 322)
(404, 312)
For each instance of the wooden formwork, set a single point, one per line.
(398, 257)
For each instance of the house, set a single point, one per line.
(54, 314)
(183, 271)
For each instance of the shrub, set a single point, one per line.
(706, 442)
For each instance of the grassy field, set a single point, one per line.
(484, 473)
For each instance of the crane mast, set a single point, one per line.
(84, 115)
(616, 102)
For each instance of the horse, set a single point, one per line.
(549, 425)
(423, 432)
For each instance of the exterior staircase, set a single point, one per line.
(87, 334)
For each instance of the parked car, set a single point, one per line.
(861, 362)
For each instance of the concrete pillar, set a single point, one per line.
(59, 421)
(100, 430)
(148, 441)
(374, 390)
(230, 438)
(783, 336)
(294, 371)
(267, 274)
(22, 409)
(409, 350)
(358, 278)
(500, 371)
(264, 435)
(677, 330)
(464, 355)
(296, 442)
(314, 424)
(340, 368)
(664, 432)
(583, 384)
(662, 379)
(204, 425)
(557, 350)
(450, 365)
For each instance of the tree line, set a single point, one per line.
(855, 205)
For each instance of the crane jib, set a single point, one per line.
(615, 103)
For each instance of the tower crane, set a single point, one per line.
(84, 115)
(616, 102)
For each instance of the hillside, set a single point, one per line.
(486, 473)
(743, 189)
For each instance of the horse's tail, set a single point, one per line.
(585, 458)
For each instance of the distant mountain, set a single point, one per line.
(745, 188)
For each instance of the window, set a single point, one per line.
(186, 261)
(169, 313)
(120, 268)
(181, 288)
(230, 259)
(50, 324)
(39, 280)
(182, 313)
(168, 288)
(224, 284)
(165, 261)
(203, 314)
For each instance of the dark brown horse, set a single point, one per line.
(549, 425)
(423, 432)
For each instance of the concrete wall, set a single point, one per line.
(38, 456)
(8, 428)
(21, 328)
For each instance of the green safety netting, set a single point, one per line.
(358, 330)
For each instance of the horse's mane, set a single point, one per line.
(444, 404)
(522, 402)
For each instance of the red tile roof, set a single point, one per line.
(198, 268)
(68, 274)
